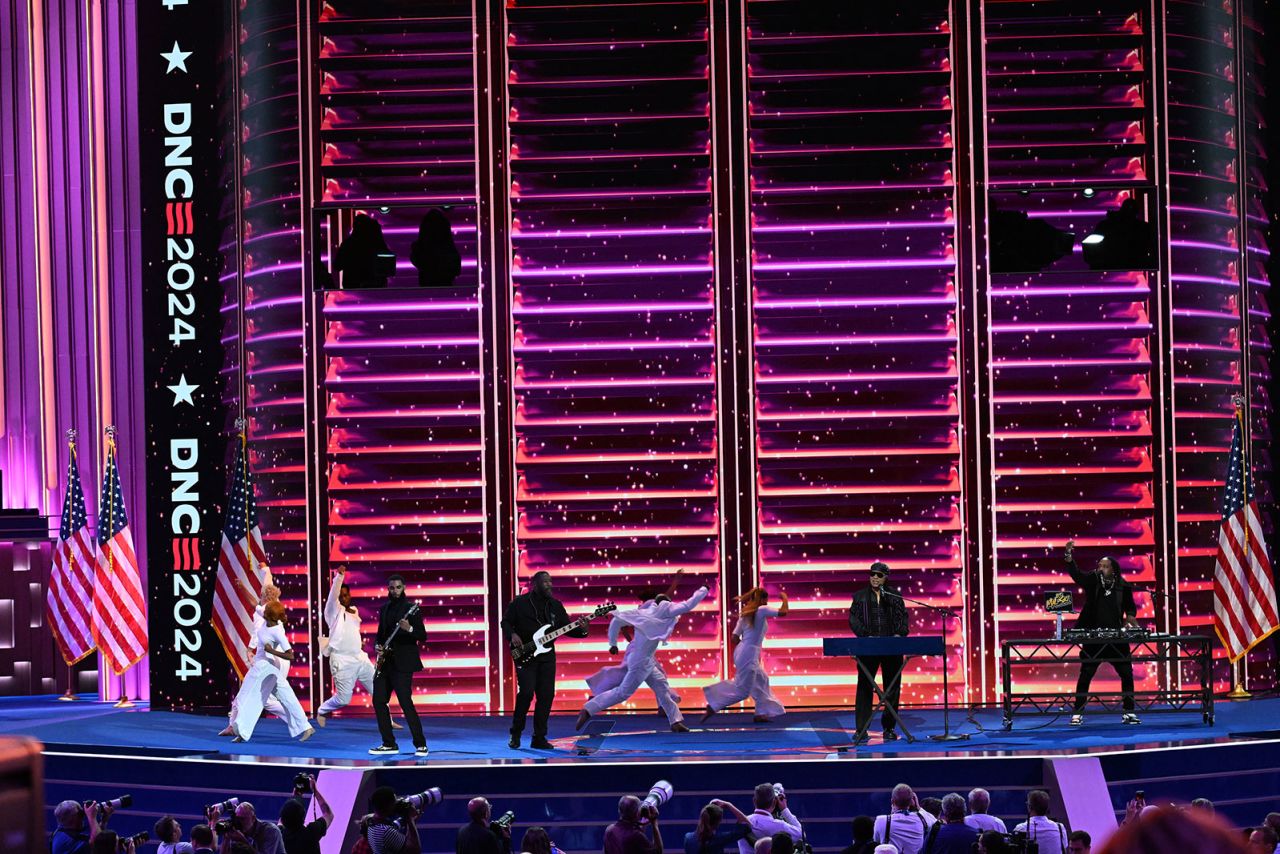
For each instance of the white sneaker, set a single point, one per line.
(1077, 720)
(1130, 718)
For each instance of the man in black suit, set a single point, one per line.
(398, 664)
(878, 612)
(525, 615)
(479, 836)
(1108, 604)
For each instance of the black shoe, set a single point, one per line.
(384, 748)
(542, 744)
(421, 750)
(863, 739)
(514, 742)
(891, 734)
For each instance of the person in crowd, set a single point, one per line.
(933, 806)
(168, 834)
(299, 835)
(763, 845)
(265, 679)
(478, 835)
(713, 836)
(1048, 834)
(627, 835)
(1079, 842)
(434, 253)
(361, 259)
(1169, 830)
(400, 630)
(263, 836)
(876, 611)
(950, 834)
(204, 839)
(886, 848)
(1262, 840)
(270, 593)
(653, 622)
(1273, 821)
(536, 840)
(749, 677)
(1203, 804)
(348, 662)
(992, 842)
(109, 842)
(863, 842)
(384, 830)
(1108, 604)
(782, 843)
(905, 825)
(771, 815)
(979, 818)
(526, 614)
(77, 826)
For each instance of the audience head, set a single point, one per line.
(979, 801)
(629, 808)
(478, 810)
(69, 815)
(953, 808)
(1079, 842)
(1203, 804)
(1038, 802)
(1262, 840)
(886, 848)
(992, 842)
(1273, 821)
(383, 800)
(864, 827)
(765, 796)
(106, 842)
(167, 829)
(902, 796)
(536, 841)
(241, 848)
(764, 845)
(933, 806)
(245, 818)
(708, 820)
(202, 836)
(293, 815)
(782, 844)
(1175, 830)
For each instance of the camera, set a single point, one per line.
(226, 806)
(138, 840)
(302, 784)
(417, 803)
(504, 821)
(659, 793)
(223, 825)
(1020, 843)
(115, 804)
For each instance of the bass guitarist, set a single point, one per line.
(525, 615)
(400, 630)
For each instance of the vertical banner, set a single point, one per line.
(182, 105)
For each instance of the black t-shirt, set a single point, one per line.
(306, 839)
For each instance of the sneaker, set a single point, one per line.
(862, 739)
(1077, 720)
(383, 748)
(421, 750)
(891, 734)
(542, 744)
(1130, 718)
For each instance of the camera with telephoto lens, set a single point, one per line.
(223, 825)
(1018, 842)
(215, 810)
(504, 821)
(417, 803)
(659, 793)
(117, 803)
(302, 784)
(138, 840)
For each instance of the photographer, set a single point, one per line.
(905, 825)
(537, 841)
(772, 815)
(245, 829)
(298, 836)
(478, 836)
(712, 836)
(1048, 834)
(109, 842)
(951, 835)
(77, 826)
(204, 840)
(390, 829)
(169, 834)
(626, 835)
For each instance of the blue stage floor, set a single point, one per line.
(92, 727)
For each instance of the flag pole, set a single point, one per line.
(124, 702)
(69, 696)
(1238, 691)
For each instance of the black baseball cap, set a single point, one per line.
(880, 568)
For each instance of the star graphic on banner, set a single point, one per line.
(177, 58)
(182, 391)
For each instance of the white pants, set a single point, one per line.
(262, 682)
(347, 672)
(272, 706)
(616, 685)
(749, 680)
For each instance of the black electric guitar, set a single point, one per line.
(545, 636)
(386, 646)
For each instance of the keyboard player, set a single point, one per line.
(877, 611)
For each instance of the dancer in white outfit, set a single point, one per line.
(749, 678)
(652, 623)
(264, 680)
(270, 593)
(347, 659)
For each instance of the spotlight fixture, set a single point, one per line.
(1122, 241)
(384, 209)
(1020, 244)
(1088, 192)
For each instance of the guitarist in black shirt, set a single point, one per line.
(525, 615)
(400, 630)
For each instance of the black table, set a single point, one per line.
(1158, 648)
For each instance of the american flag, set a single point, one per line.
(69, 603)
(119, 606)
(1244, 598)
(233, 603)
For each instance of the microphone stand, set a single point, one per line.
(946, 734)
